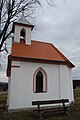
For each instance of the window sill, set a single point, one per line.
(41, 92)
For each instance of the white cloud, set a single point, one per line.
(61, 26)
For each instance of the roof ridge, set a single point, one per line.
(41, 41)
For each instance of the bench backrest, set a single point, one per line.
(50, 102)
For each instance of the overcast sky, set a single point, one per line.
(60, 25)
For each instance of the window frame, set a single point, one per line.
(44, 80)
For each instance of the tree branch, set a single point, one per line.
(10, 9)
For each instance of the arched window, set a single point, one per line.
(40, 81)
(22, 34)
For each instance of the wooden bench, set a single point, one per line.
(46, 102)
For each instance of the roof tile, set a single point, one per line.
(38, 50)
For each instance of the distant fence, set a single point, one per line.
(76, 84)
(3, 86)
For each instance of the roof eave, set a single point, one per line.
(38, 60)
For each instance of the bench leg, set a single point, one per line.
(38, 111)
(64, 107)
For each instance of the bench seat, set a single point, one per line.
(41, 109)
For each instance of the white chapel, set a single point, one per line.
(36, 70)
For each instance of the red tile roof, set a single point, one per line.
(38, 50)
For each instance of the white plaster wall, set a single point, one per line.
(28, 36)
(17, 34)
(21, 85)
(66, 86)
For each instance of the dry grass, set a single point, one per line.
(72, 114)
(3, 96)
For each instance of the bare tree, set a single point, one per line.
(9, 11)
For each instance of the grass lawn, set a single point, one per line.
(72, 114)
